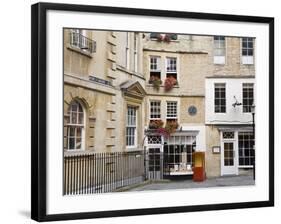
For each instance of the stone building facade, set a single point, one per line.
(124, 90)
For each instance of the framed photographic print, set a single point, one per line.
(139, 111)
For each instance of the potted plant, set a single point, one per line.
(155, 81)
(167, 38)
(171, 126)
(155, 124)
(169, 83)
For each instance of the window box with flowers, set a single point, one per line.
(171, 126)
(169, 83)
(155, 124)
(155, 81)
(161, 37)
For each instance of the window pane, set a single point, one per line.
(246, 150)
(71, 142)
(78, 143)
(220, 100)
(131, 126)
(171, 109)
(75, 128)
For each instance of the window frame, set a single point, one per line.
(167, 108)
(220, 99)
(135, 52)
(127, 51)
(247, 59)
(250, 148)
(176, 65)
(219, 59)
(150, 108)
(158, 63)
(248, 106)
(76, 126)
(135, 126)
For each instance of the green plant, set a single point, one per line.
(155, 81)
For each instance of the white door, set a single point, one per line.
(229, 159)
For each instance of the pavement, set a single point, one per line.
(241, 180)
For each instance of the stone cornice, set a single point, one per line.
(85, 83)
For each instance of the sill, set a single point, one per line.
(155, 39)
(246, 167)
(151, 85)
(73, 152)
(78, 50)
(133, 149)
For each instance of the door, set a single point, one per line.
(155, 163)
(228, 158)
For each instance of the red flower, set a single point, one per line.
(169, 83)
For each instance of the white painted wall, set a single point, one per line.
(233, 115)
(200, 137)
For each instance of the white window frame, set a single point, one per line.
(247, 86)
(244, 166)
(220, 105)
(167, 65)
(127, 50)
(219, 59)
(135, 52)
(247, 59)
(155, 109)
(76, 125)
(170, 114)
(134, 126)
(158, 63)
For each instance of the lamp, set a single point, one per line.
(253, 111)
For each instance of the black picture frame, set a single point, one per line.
(39, 108)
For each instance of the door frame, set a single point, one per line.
(153, 146)
(234, 170)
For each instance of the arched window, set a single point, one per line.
(75, 127)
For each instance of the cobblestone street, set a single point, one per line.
(241, 180)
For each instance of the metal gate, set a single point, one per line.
(154, 163)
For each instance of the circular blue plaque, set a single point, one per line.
(192, 110)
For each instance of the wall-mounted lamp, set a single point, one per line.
(236, 103)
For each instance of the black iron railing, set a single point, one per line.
(82, 42)
(102, 172)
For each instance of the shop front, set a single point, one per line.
(170, 157)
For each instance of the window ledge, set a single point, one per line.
(166, 42)
(73, 152)
(151, 85)
(78, 50)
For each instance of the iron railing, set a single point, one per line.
(82, 42)
(102, 172)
